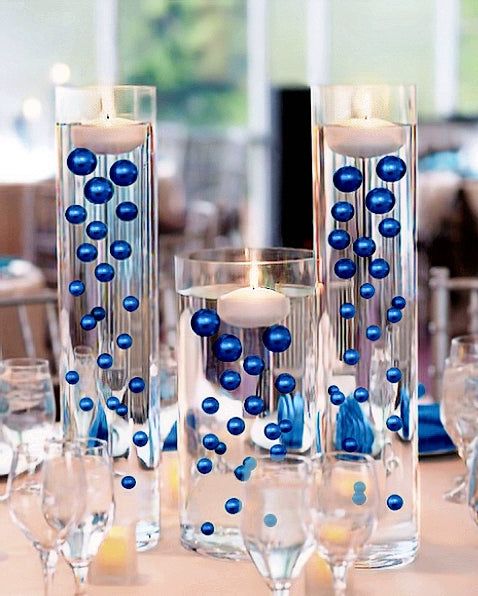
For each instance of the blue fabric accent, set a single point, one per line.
(431, 434)
(352, 423)
(292, 408)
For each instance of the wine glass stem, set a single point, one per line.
(49, 560)
(81, 575)
(339, 574)
(279, 591)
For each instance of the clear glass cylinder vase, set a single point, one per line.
(108, 286)
(246, 380)
(364, 174)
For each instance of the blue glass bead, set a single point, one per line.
(364, 247)
(394, 423)
(347, 310)
(361, 394)
(242, 473)
(86, 252)
(123, 172)
(394, 502)
(140, 438)
(221, 448)
(272, 431)
(98, 190)
(394, 375)
(88, 322)
(399, 302)
(254, 405)
(345, 268)
(337, 398)
(339, 239)
(359, 499)
(380, 200)
(233, 505)
(230, 380)
(75, 214)
(379, 268)
(72, 377)
(124, 341)
(421, 390)
(360, 487)
(277, 338)
(96, 230)
(127, 211)
(112, 403)
(286, 425)
(104, 272)
(351, 356)
(210, 405)
(253, 365)
(250, 462)
(120, 249)
(278, 452)
(285, 383)
(342, 211)
(130, 303)
(332, 389)
(347, 179)
(136, 385)
(389, 227)
(98, 312)
(128, 482)
(204, 465)
(270, 520)
(207, 528)
(205, 322)
(391, 168)
(367, 291)
(373, 332)
(122, 410)
(105, 361)
(349, 444)
(227, 348)
(394, 315)
(210, 441)
(76, 287)
(86, 404)
(81, 161)
(236, 425)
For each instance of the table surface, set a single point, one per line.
(447, 564)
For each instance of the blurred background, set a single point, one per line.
(234, 161)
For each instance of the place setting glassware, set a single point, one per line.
(473, 482)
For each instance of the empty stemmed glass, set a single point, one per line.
(473, 482)
(345, 506)
(276, 521)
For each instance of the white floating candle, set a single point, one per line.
(253, 307)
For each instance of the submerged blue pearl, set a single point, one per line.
(399, 302)
(76, 287)
(207, 528)
(286, 425)
(127, 211)
(130, 303)
(253, 365)
(389, 227)
(112, 403)
(221, 448)
(122, 410)
(373, 332)
(98, 190)
(364, 247)
(233, 506)
(367, 291)
(86, 252)
(380, 200)
(379, 268)
(349, 444)
(105, 361)
(72, 377)
(272, 431)
(345, 268)
(104, 272)
(394, 315)
(81, 161)
(278, 452)
(394, 423)
(394, 375)
(97, 230)
(205, 322)
(347, 179)
(120, 249)
(123, 172)
(236, 425)
(210, 405)
(250, 462)
(337, 398)
(285, 383)
(99, 313)
(254, 405)
(270, 520)
(227, 348)
(136, 385)
(342, 211)
(351, 356)
(204, 465)
(332, 389)
(394, 502)
(339, 239)
(88, 322)
(277, 338)
(128, 482)
(75, 214)
(361, 394)
(124, 341)
(86, 404)
(230, 380)
(391, 168)
(210, 441)
(242, 473)
(347, 310)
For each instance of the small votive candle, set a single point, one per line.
(116, 561)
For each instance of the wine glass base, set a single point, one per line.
(147, 535)
(395, 554)
(457, 494)
(225, 543)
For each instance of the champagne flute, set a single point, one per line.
(276, 523)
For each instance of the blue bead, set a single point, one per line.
(230, 380)
(394, 502)
(332, 389)
(360, 487)
(253, 365)
(76, 287)
(136, 385)
(367, 291)
(98, 190)
(112, 403)
(286, 425)
(347, 310)
(359, 499)
(342, 211)
(128, 482)
(210, 441)
(105, 361)
(233, 505)
(345, 268)
(277, 338)
(86, 404)
(210, 405)
(394, 315)
(221, 448)
(391, 168)
(88, 322)
(204, 465)
(379, 268)
(380, 200)
(207, 528)
(373, 332)
(98, 312)
(227, 348)
(250, 462)
(361, 394)
(120, 249)
(347, 179)
(339, 239)
(337, 398)
(123, 172)
(236, 425)
(349, 444)
(122, 410)
(278, 452)
(124, 341)
(81, 161)
(364, 247)
(421, 390)
(285, 383)
(394, 423)
(394, 375)
(242, 473)
(140, 438)
(75, 214)
(205, 322)
(399, 302)
(253, 405)
(127, 211)
(270, 520)
(86, 252)
(104, 272)
(272, 431)
(389, 227)
(72, 377)
(97, 230)
(130, 303)
(351, 356)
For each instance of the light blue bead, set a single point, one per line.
(270, 520)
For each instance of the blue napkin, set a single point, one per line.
(432, 437)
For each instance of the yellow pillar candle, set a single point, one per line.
(116, 561)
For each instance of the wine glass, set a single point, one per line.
(473, 482)
(345, 506)
(88, 532)
(276, 522)
(46, 497)
(459, 404)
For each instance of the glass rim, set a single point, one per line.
(468, 339)
(25, 363)
(373, 86)
(122, 87)
(204, 256)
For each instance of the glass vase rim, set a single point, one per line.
(372, 86)
(466, 339)
(24, 362)
(204, 256)
(98, 87)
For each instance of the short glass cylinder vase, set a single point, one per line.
(364, 167)
(246, 380)
(108, 286)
